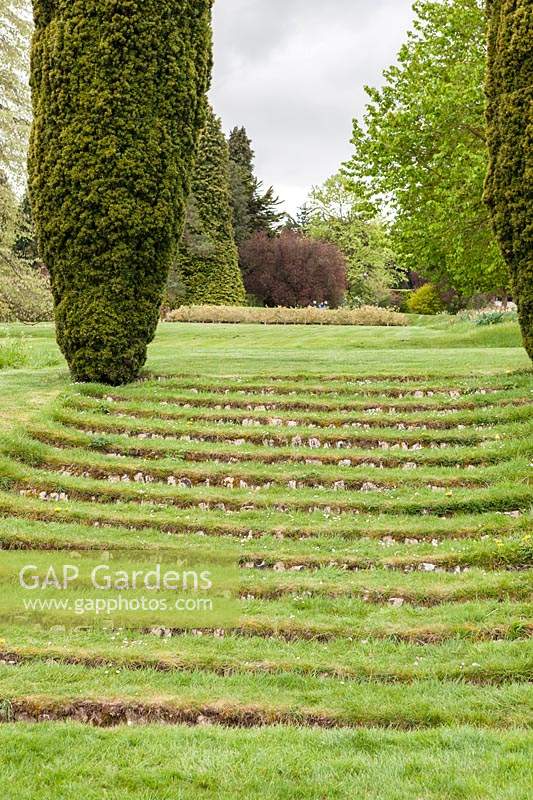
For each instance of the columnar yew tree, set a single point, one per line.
(510, 124)
(119, 101)
(208, 259)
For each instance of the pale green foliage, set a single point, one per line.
(24, 292)
(335, 214)
(425, 300)
(8, 212)
(15, 113)
(421, 154)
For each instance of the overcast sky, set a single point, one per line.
(293, 72)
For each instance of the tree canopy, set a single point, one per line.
(15, 104)
(335, 214)
(420, 154)
(293, 270)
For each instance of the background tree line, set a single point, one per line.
(420, 154)
(24, 291)
(407, 209)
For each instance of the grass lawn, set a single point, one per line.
(368, 488)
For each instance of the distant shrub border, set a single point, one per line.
(366, 315)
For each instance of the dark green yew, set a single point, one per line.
(208, 260)
(119, 102)
(509, 187)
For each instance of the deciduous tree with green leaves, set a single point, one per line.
(15, 103)
(24, 291)
(335, 214)
(421, 152)
(510, 125)
(119, 102)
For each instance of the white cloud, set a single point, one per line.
(293, 72)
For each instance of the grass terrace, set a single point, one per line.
(372, 488)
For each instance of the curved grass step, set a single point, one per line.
(382, 438)
(418, 635)
(300, 401)
(418, 572)
(202, 414)
(82, 461)
(475, 662)
(316, 617)
(506, 379)
(59, 487)
(118, 444)
(245, 700)
(255, 525)
(342, 384)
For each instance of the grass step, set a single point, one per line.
(201, 413)
(40, 690)
(316, 439)
(80, 460)
(386, 404)
(61, 435)
(256, 525)
(56, 486)
(452, 385)
(475, 662)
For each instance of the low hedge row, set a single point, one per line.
(366, 315)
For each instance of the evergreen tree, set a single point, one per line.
(510, 125)
(24, 291)
(304, 217)
(208, 259)
(254, 210)
(15, 104)
(240, 203)
(119, 101)
(8, 212)
(265, 214)
(242, 156)
(25, 244)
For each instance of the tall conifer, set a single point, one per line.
(208, 259)
(509, 190)
(119, 101)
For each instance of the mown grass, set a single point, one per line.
(444, 764)
(371, 487)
